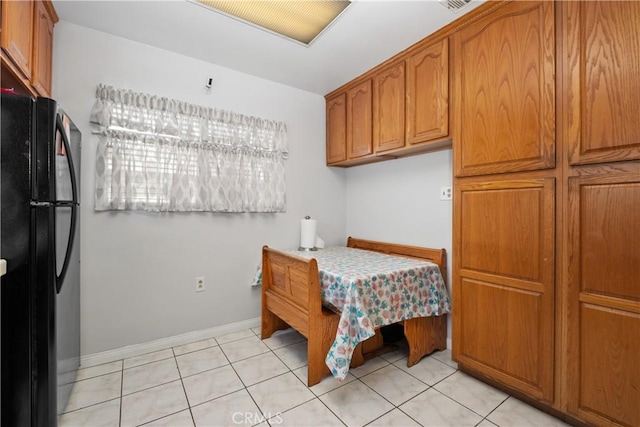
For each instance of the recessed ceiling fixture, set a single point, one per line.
(300, 20)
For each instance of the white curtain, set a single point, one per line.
(158, 154)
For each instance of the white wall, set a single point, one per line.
(138, 268)
(399, 201)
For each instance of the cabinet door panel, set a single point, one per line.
(505, 91)
(17, 33)
(496, 242)
(428, 93)
(43, 47)
(504, 281)
(610, 232)
(609, 368)
(604, 298)
(337, 129)
(388, 111)
(603, 65)
(497, 332)
(359, 120)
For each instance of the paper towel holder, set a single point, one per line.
(314, 248)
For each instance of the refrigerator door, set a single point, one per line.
(67, 150)
(16, 291)
(66, 161)
(66, 196)
(67, 311)
(57, 144)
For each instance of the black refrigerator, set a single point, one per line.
(40, 292)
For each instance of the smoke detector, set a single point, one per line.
(455, 5)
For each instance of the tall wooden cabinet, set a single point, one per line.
(547, 205)
(504, 224)
(601, 101)
(544, 116)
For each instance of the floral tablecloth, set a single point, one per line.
(371, 289)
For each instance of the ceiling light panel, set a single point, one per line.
(301, 20)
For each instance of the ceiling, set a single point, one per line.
(366, 34)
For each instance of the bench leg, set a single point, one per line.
(318, 345)
(366, 348)
(425, 335)
(270, 324)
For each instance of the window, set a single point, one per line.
(157, 154)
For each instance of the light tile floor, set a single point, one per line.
(237, 379)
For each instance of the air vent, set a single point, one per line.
(455, 5)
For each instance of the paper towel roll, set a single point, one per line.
(308, 233)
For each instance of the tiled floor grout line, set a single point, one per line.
(394, 405)
(184, 389)
(281, 357)
(290, 370)
(121, 391)
(315, 396)
(461, 404)
(496, 408)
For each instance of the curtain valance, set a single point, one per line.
(160, 154)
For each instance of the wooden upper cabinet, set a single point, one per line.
(388, 109)
(602, 89)
(505, 91)
(428, 93)
(337, 129)
(359, 120)
(17, 34)
(42, 51)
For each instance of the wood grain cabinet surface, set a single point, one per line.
(544, 117)
(601, 100)
(388, 108)
(400, 109)
(428, 93)
(505, 91)
(42, 50)
(17, 34)
(505, 197)
(27, 44)
(504, 281)
(337, 129)
(603, 81)
(360, 120)
(604, 297)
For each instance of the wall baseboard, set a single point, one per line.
(164, 343)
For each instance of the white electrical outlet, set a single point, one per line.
(200, 284)
(446, 193)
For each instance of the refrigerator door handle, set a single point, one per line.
(67, 147)
(67, 255)
(73, 205)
